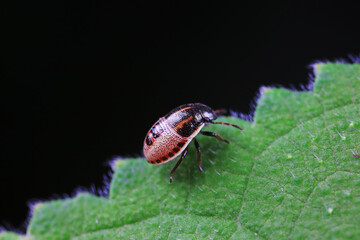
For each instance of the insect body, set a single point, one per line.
(170, 135)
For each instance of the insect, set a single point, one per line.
(170, 136)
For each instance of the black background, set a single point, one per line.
(82, 83)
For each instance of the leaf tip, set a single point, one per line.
(316, 67)
(4, 235)
(37, 206)
(117, 163)
(264, 90)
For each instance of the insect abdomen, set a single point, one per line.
(165, 146)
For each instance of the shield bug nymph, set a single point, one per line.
(170, 135)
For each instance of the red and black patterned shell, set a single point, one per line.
(171, 134)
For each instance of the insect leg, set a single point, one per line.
(183, 154)
(199, 154)
(211, 134)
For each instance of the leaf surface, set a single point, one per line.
(293, 173)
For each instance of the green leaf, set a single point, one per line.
(293, 173)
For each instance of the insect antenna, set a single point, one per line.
(228, 124)
(221, 111)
